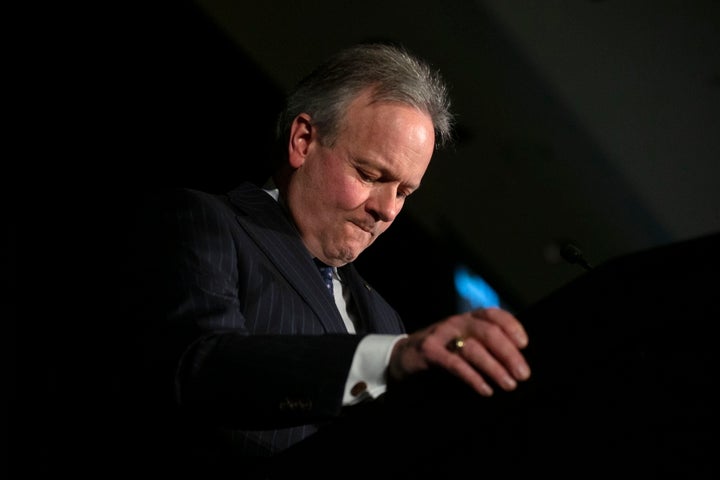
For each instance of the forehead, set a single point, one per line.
(392, 137)
(369, 119)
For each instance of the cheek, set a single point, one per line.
(349, 193)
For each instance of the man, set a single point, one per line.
(244, 354)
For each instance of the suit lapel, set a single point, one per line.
(372, 318)
(265, 222)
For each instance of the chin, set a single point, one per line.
(348, 255)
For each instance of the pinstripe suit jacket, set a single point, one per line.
(238, 328)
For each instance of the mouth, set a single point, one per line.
(365, 228)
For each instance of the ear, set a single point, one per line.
(301, 136)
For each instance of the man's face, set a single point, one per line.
(343, 197)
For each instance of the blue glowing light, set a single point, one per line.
(474, 292)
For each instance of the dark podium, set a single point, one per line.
(625, 370)
(625, 367)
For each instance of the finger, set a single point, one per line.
(505, 320)
(458, 366)
(444, 353)
(502, 371)
(487, 338)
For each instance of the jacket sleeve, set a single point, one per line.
(220, 334)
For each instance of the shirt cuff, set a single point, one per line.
(367, 379)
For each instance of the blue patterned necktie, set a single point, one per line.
(327, 275)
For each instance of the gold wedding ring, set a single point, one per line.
(456, 344)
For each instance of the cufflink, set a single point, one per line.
(358, 389)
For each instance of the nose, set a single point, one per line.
(384, 202)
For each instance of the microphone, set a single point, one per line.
(572, 254)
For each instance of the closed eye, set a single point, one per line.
(367, 177)
(403, 191)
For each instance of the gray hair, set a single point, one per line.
(392, 73)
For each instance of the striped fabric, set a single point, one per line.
(247, 321)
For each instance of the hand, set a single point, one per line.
(492, 342)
